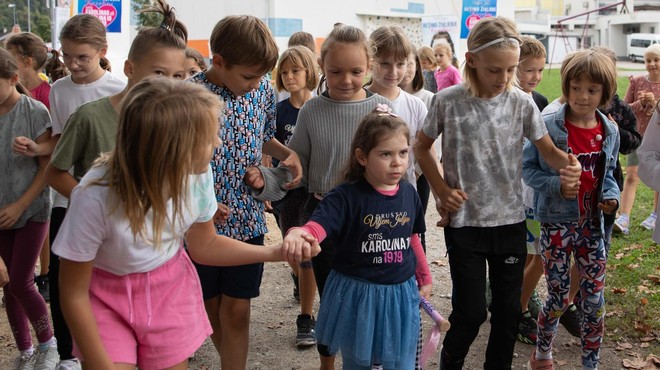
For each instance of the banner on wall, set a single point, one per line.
(473, 11)
(434, 24)
(108, 11)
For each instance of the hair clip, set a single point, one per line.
(384, 109)
(491, 43)
(164, 26)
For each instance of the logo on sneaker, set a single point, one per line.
(511, 260)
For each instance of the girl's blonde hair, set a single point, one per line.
(299, 56)
(592, 65)
(374, 128)
(445, 48)
(165, 126)
(170, 34)
(9, 69)
(344, 34)
(652, 50)
(493, 32)
(391, 41)
(426, 53)
(28, 45)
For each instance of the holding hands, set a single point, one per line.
(299, 246)
(570, 178)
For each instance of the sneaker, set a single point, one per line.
(296, 287)
(70, 364)
(621, 224)
(534, 364)
(305, 336)
(23, 362)
(46, 359)
(44, 286)
(572, 321)
(534, 304)
(649, 223)
(527, 329)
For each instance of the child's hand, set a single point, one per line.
(444, 215)
(9, 214)
(292, 162)
(452, 200)
(268, 206)
(254, 179)
(608, 206)
(4, 274)
(25, 146)
(298, 246)
(425, 291)
(221, 215)
(570, 178)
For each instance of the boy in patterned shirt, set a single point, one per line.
(243, 52)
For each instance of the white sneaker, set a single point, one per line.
(23, 362)
(621, 225)
(70, 364)
(46, 360)
(649, 223)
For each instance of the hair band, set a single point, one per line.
(384, 110)
(491, 43)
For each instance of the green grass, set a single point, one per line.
(632, 292)
(550, 86)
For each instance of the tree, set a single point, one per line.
(149, 19)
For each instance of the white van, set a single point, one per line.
(638, 42)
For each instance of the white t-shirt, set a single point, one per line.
(93, 231)
(482, 146)
(426, 96)
(413, 112)
(66, 96)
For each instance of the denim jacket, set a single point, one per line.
(549, 206)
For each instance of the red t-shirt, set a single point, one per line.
(41, 93)
(586, 144)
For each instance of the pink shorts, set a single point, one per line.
(154, 319)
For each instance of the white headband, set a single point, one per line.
(496, 41)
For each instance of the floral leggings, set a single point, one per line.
(584, 241)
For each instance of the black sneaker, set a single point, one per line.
(572, 321)
(305, 336)
(527, 329)
(296, 287)
(44, 286)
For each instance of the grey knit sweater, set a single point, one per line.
(322, 137)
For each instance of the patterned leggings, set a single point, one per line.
(558, 242)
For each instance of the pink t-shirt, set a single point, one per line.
(449, 77)
(41, 92)
(642, 112)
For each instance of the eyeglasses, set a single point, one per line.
(81, 61)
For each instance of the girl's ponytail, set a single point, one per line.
(170, 34)
(54, 68)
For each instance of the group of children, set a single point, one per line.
(158, 251)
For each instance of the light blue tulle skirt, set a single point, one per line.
(370, 323)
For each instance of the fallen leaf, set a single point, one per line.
(561, 363)
(642, 327)
(647, 339)
(619, 290)
(644, 345)
(633, 266)
(619, 256)
(636, 363)
(623, 346)
(643, 289)
(644, 301)
(654, 278)
(439, 263)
